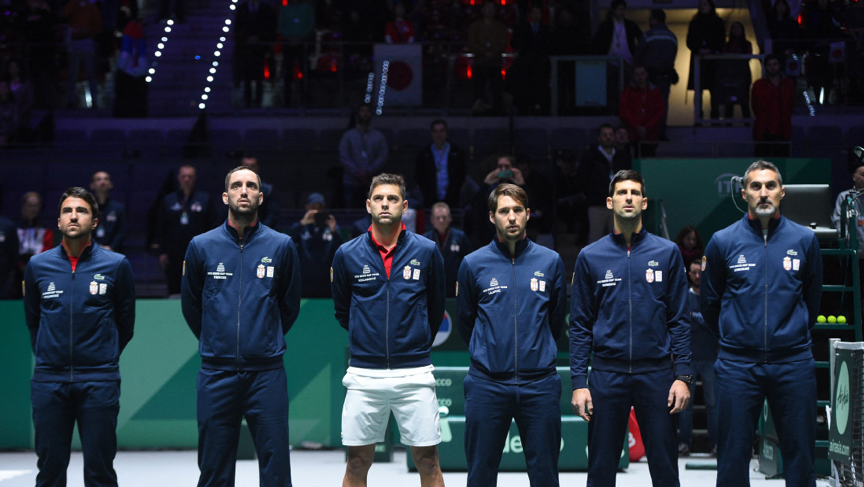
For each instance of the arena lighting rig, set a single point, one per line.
(159, 48)
(218, 52)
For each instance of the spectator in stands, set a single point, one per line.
(596, 167)
(453, 244)
(9, 248)
(38, 26)
(858, 208)
(706, 34)
(84, 22)
(784, 29)
(642, 112)
(399, 30)
(184, 214)
(821, 27)
(255, 29)
(363, 152)
(738, 69)
(296, 26)
(541, 198)
(658, 54)
(703, 354)
(22, 94)
(773, 100)
(487, 41)
(113, 227)
(268, 209)
(316, 237)
(33, 236)
(505, 171)
(530, 70)
(571, 208)
(440, 168)
(622, 140)
(689, 243)
(617, 36)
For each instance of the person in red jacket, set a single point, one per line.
(773, 99)
(642, 111)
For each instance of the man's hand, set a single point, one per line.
(309, 217)
(582, 404)
(679, 396)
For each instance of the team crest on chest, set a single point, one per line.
(534, 284)
(260, 271)
(406, 272)
(787, 263)
(649, 275)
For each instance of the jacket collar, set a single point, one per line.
(247, 235)
(401, 238)
(520, 246)
(637, 238)
(756, 226)
(85, 254)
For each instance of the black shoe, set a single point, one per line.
(683, 450)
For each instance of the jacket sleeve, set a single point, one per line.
(192, 288)
(813, 281)
(121, 229)
(466, 303)
(289, 300)
(678, 313)
(436, 292)
(345, 154)
(657, 109)
(713, 286)
(581, 322)
(836, 215)
(340, 287)
(32, 305)
(382, 151)
(124, 303)
(558, 303)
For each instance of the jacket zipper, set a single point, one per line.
(239, 299)
(515, 323)
(630, 306)
(71, 330)
(387, 324)
(765, 258)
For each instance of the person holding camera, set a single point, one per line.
(317, 237)
(505, 171)
(596, 167)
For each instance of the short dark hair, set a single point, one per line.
(385, 178)
(240, 168)
(617, 3)
(79, 192)
(510, 190)
(659, 15)
(605, 126)
(769, 57)
(436, 122)
(626, 175)
(762, 165)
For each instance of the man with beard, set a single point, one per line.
(512, 375)
(391, 320)
(112, 229)
(629, 309)
(240, 296)
(79, 304)
(761, 289)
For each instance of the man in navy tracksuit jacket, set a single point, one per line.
(629, 307)
(240, 296)
(392, 319)
(511, 306)
(761, 288)
(79, 304)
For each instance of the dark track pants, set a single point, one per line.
(791, 392)
(224, 399)
(489, 409)
(613, 394)
(56, 408)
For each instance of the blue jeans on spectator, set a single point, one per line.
(703, 369)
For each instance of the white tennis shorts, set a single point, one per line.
(369, 401)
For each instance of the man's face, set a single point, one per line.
(536, 15)
(441, 220)
(704, 7)
(251, 163)
(504, 164)
(772, 67)
(364, 114)
(622, 137)
(619, 12)
(30, 208)
(244, 195)
(606, 137)
(627, 201)
(186, 179)
(640, 77)
(101, 182)
(439, 134)
(695, 273)
(76, 219)
(858, 177)
(386, 205)
(763, 193)
(510, 219)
